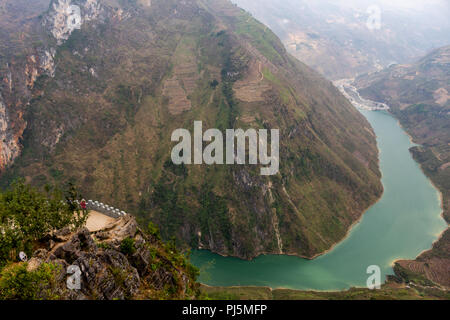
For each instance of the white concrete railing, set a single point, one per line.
(104, 208)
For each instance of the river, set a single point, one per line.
(404, 222)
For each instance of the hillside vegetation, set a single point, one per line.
(105, 98)
(389, 291)
(120, 261)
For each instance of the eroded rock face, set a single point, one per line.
(19, 76)
(47, 62)
(106, 272)
(7, 147)
(18, 83)
(107, 275)
(187, 58)
(125, 227)
(65, 16)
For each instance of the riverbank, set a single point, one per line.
(345, 84)
(431, 154)
(391, 291)
(403, 223)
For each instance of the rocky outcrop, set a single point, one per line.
(20, 75)
(65, 16)
(107, 269)
(18, 82)
(120, 89)
(6, 146)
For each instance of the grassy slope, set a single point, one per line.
(110, 132)
(387, 292)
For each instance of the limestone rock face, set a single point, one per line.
(18, 78)
(101, 85)
(8, 149)
(65, 16)
(123, 228)
(106, 272)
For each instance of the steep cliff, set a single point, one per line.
(342, 39)
(119, 261)
(96, 100)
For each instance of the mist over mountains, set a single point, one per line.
(333, 36)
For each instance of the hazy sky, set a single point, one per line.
(406, 4)
(418, 4)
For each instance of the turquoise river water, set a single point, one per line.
(405, 221)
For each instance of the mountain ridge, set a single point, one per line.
(342, 40)
(104, 102)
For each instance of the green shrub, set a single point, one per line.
(127, 246)
(28, 215)
(16, 283)
(103, 245)
(153, 230)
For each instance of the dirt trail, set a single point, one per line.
(252, 87)
(260, 72)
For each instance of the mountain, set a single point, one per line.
(118, 262)
(91, 91)
(333, 37)
(419, 96)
